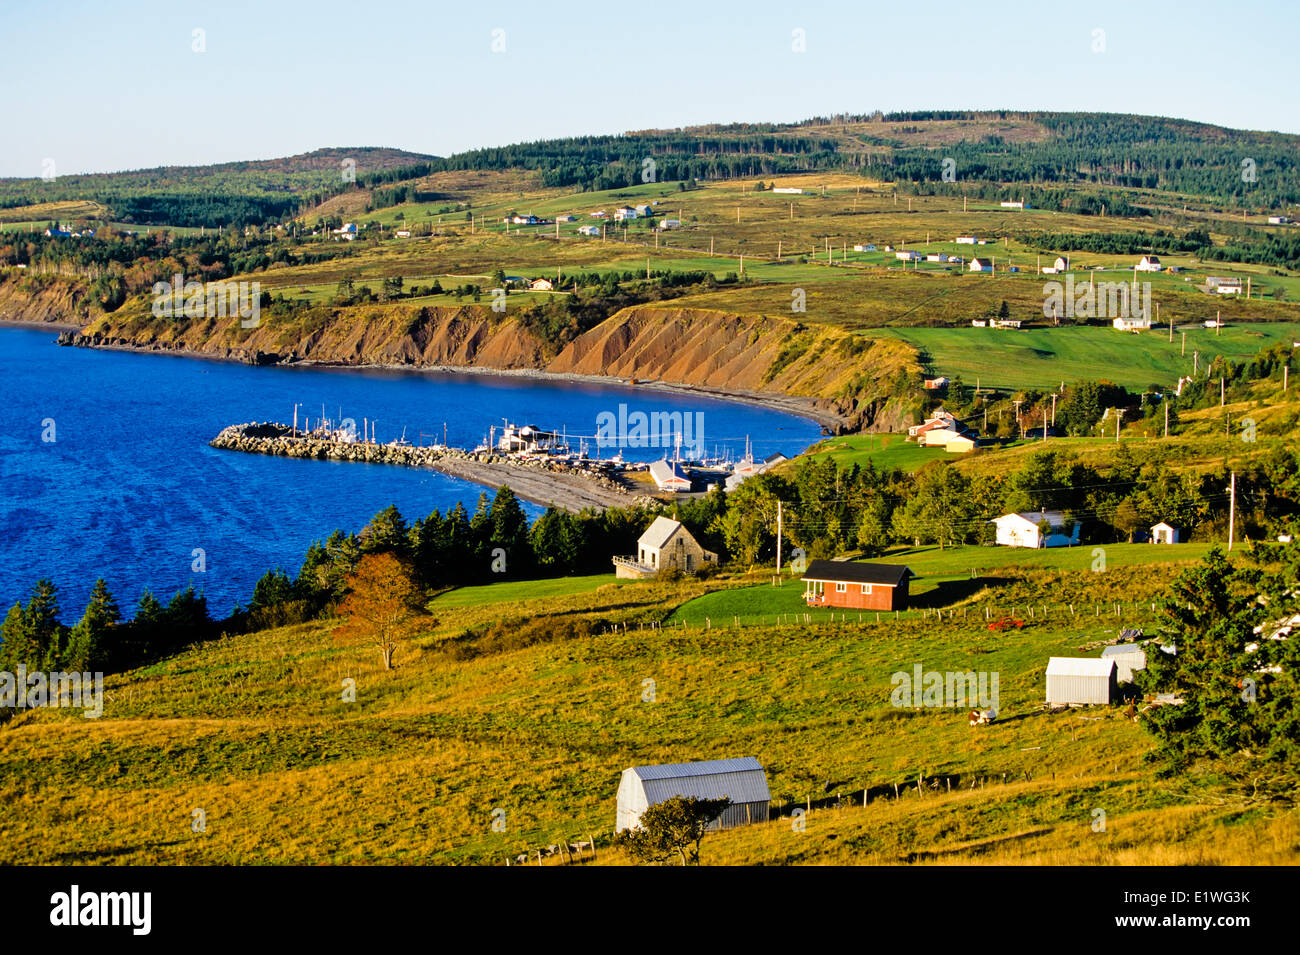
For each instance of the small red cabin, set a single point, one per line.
(856, 585)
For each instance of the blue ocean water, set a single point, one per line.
(129, 489)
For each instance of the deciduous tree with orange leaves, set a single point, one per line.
(382, 604)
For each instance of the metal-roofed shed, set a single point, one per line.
(741, 780)
(1128, 658)
(1080, 681)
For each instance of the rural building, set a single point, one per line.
(1010, 204)
(1163, 533)
(907, 255)
(1004, 323)
(403, 233)
(966, 240)
(670, 476)
(670, 223)
(644, 210)
(541, 285)
(856, 585)
(960, 445)
(1137, 324)
(347, 231)
(941, 419)
(936, 384)
(526, 439)
(1080, 681)
(979, 323)
(1148, 263)
(864, 248)
(624, 212)
(788, 190)
(665, 544)
(749, 467)
(1279, 220)
(1230, 287)
(1024, 529)
(939, 437)
(1128, 657)
(589, 230)
(742, 780)
(599, 214)
(980, 265)
(566, 218)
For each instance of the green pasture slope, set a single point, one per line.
(1044, 357)
(943, 578)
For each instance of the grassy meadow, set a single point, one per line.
(252, 735)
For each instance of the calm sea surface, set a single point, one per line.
(128, 488)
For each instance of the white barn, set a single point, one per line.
(1128, 658)
(1022, 530)
(742, 780)
(1080, 681)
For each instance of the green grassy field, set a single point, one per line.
(254, 733)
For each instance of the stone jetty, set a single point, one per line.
(538, 480)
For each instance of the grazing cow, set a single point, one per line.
(982, 717)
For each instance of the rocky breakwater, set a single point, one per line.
(537, 480)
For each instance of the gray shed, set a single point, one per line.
(1078, 681)
(1128, 657)
(741, 780)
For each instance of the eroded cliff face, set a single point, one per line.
(842, 377)
(45, 301)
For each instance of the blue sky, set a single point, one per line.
(106, 86)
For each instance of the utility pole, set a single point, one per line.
(1184, 334)
(778, 537)
(1232, 509)
(1053, 409)
(1118, 415)
(1222, 391)
(295, 421)
(1166, 416)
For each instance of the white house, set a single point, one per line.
(403, 233)
(347, 231)
(743, 781)
(1230, 287)
(1004, 323)
(589, 230)
(936, 257)
(566, 218)
(644, 209)
(864, 248)
(598, 214)
(980, 265)
(1279, 220)
(1148, 263)
(623, 213)
(1023, 529)
(907, 255)
(1163, 533)
(788, 190)
(960, 445)
(541, 285)
(670, 223)
(966, 240)
(666, 544)
(1010, 204)
(1080, 681)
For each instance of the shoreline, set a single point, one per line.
(829, 423)
(57, 326)
(571, 490)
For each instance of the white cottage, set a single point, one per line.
(742, 780)
(1023, 529)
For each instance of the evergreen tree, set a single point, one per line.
(87, 642)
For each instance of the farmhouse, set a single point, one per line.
(1163, 533)
(857, 585)
(670, 476)
(1128, 657)
(589, 230)
(742, 780)
(788, 190)
(966, 240)
(644, 210)
(541, 285)
(864, 248)
(670, 223)
(566, 218)
(347, 231)
(665, 544)
(1079, 681)
(907, 255)
(1009, 204)
(1024, 529)
(936, 384)
(403, 233)
(980, 265)
(940, 419)
(1148, 263)
(624, 212)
